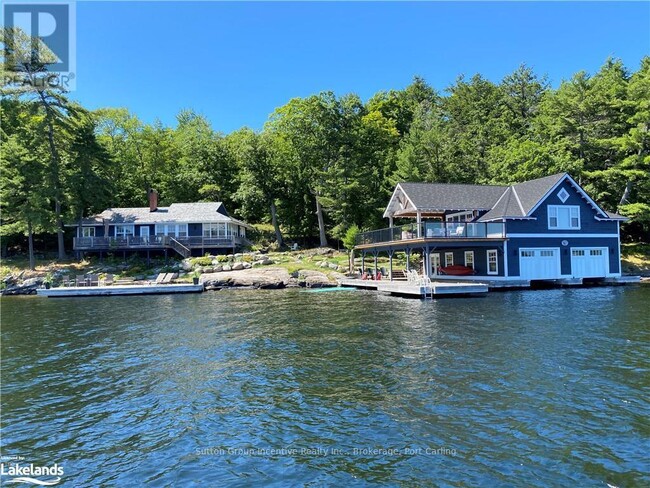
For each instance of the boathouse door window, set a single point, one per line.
(563, 217)
(493, 262)
(449, 259)
(469, 259)
(123, 230)
(435, 262)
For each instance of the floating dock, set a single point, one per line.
(115, 290)
(436, 289)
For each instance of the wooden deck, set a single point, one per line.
(115, 290)
(437, 289)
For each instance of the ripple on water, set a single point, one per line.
(516, 389)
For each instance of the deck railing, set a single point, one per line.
(153, 242)
(434, 230)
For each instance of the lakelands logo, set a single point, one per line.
(27, 474)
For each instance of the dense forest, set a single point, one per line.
(327, 162)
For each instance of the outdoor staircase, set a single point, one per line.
(179, 248)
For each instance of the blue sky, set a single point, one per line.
(236, 62)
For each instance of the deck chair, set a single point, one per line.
(167, 279)
(80, 280)
(160, 278)
(108, 280)
(93, 279)
(460, 230)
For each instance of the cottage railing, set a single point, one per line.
(154, 242)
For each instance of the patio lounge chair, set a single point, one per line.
(167, 279)
(108, 280)
(160, 278)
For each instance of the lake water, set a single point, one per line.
(286, 388)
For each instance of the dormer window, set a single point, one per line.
(563, 217)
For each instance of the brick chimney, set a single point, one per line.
(153, 200)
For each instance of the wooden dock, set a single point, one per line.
(436, 289)
(116, 290)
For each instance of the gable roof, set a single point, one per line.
(176, 212)
(516, 201)
(448, 196)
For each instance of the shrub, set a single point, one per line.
(202, 261)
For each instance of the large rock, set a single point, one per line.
(27, 287)
(254, 278)
(313, 279)
(237, 266)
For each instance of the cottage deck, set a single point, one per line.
(90, 291)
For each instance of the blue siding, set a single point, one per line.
(194, 230)
(588, 224)
(480, 256)
(514, 244)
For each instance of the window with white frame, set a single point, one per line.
(88, 232)
(449, 259)
(219, 229)
(493, 262)
(123, 230)
(173, 230)
(563, 217)
(469, 259)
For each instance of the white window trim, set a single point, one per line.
(91, 232)
(126, 226)
(169, 226)
(557, 216)
(496, 261)
(435, 259)
(469, 253)
(447, 255)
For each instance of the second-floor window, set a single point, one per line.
(563, 217)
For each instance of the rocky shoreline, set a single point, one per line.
(267, 278)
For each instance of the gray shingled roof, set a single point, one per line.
(514, 201)
(452, 196)
(176, 212)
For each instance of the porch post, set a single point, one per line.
(390, 265)
(419, 220)
(376, 253)
(390, 221)
(427, 261)
(363, 262)
(408, 259)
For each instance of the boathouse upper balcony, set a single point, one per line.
(433, 231)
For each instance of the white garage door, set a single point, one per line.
(539, 263)
(589, 262)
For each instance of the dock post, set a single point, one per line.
(408, 258)
(376, 253)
